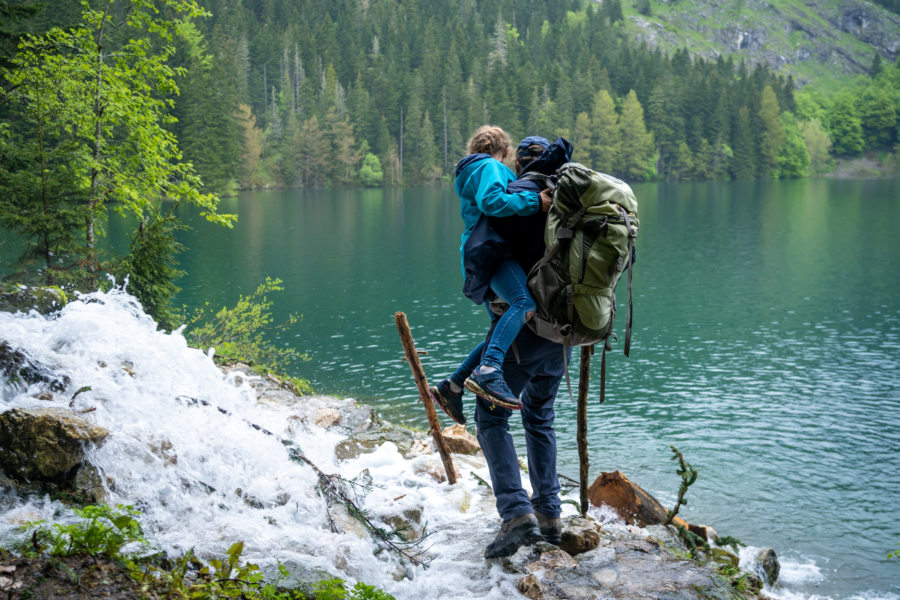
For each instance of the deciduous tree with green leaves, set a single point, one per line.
(95, 105)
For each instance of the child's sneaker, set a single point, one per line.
(492, 387)
(449, 401)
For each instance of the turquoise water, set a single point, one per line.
(766, 346)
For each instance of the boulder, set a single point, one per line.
(43, 450)
(45, 445)
(460, 441)
(19, 298)
(766, 565)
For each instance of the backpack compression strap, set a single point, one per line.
(629, 318)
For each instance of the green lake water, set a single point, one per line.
(766, 346)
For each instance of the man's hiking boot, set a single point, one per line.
(551, 528)
(492, 387)
(518, 531)
(449, 401)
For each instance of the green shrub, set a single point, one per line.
(239, 334)
(102, 530)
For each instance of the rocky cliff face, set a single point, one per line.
(809, 39)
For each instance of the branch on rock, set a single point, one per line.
(333, 487)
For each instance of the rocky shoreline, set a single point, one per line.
(42, 451)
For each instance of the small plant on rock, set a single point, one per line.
(102, 530)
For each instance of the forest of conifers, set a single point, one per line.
(348, 92)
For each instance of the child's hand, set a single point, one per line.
(546, 200)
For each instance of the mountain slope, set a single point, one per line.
(812, 40)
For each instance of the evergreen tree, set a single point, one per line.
(743, 162)
(582, 140)
(772, 134)
(638, 153)
(607, 144)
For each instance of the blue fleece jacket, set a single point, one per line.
(481, 186)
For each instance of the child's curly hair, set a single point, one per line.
(488, 139)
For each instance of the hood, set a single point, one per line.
(469, 160)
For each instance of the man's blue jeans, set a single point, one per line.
(535, 380)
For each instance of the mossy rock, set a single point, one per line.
(19, 298)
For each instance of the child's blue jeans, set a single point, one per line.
(510, 284)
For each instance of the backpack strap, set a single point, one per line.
(629, 318)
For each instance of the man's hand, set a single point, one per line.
(546, 200)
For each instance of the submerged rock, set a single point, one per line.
(368, 440)
(17, 367)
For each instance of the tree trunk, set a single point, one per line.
(584, 378)
(98, 138)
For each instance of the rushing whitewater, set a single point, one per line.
(189, 468)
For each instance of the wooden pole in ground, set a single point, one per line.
(412, 357)
(584, 377)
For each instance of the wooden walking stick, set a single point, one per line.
(584, 377)
(412, 357)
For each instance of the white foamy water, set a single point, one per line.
(190, 468)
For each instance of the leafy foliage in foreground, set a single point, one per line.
(106, 531)
(238, 334)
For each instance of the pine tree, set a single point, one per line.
(582, 139)
(743, 163)
(607, 143)
(638, 152)
(772, 134)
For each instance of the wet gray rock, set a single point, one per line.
(17, 368)
(767, 566)
(45, 448)
(327, 412)
(622, 565)
(369, 440)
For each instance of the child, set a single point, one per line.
(481, 182)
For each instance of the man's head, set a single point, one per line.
(528, 150)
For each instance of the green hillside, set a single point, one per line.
(815, 41)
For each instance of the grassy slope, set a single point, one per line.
(778, 27)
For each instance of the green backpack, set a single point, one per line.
(590, 233)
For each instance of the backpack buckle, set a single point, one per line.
(564, 233)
